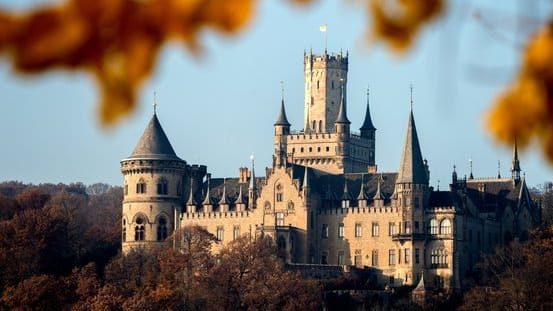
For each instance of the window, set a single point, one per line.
(279, 197)
(392, 257)
(417, 254)
(141, 186)
(438, 257)
(407, 254)
(301, 149)
(416, 226)
(327, 149)
(124, 231)
(407, 227)
(391, 228)
(162, 186)
(445, 227)
(332, 83)
(220, 233)
(139, 230)
(340, 258)
(280, 219)
(317, 84)
(358, 259)
(126, 188)
(236, 232)
(375, 228)
(314, 127)
(324, 258)
(358, 230)
(433, 226)
(161, 229)
(341, 231)
(374, 258)
(324, 232)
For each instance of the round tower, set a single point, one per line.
(153, 189)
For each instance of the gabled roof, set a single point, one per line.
(154, 144)
(411, 167)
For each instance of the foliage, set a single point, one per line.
(516, 277)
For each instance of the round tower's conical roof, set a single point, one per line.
(154, 144)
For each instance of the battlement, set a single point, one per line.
(215, 215)
(336, 61)
(359, 210)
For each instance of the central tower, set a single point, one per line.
(324, 75)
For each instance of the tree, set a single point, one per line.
(249, 276)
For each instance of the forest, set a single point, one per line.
(60, 250)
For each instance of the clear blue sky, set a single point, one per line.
(220, 108)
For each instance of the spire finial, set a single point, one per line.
(155, 102)
(411, 87)
(470, 164)
(282, 90)
(498, 168)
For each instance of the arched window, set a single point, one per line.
(162, 186)
(320, 125)
(161, 229)
(433, 226)
(141, 186)
(438, 257)
(332, 84)
(445, 227)
(139, 230)
(314, 125)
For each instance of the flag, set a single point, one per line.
(322, 28)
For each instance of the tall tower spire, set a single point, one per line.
(515, 168)
(411, 167)
(368, 123)
(342, 117)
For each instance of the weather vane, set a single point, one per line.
(155, 103)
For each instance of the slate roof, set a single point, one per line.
(411, 167)
(282, 120)
(232, 185)
(154, 144)
(368, 123)
(497, 193)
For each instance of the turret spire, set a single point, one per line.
(411, 167)
(224, 199)
(362, 195)
(305, 184)
(207, 199)
(368, 123)
(240, 198)
(342, 113)
(515, 168)
(378, 195)
(191, 198)
(252, 177)
(282, 120)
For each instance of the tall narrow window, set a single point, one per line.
(236, 232)
(358, 259)
(324, 232)
(407, 254)
(161, 229)
(374, 258)
(341, 231)
(324, 258)
(139, 230)
(433, 226)
(358, 230)
(162, 186)
(314, 125)
(417, 260)
(392, 257)
(124, 231)
(320, 128)
(220, 233)
(332, 83)
(280, 219)
(340, 258)
(375, 229)
(141, 186)
(317, 84)
(391, 228)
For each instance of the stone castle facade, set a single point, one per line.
(324, 201)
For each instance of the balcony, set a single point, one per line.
(408, 236)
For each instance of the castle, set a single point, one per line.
(323, 200)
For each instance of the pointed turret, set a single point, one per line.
(378, 194)
(305, 184)
(362, 195)
(515, 168)
(342, 117)
(346, 197)
(208, 200)
(411, 167)
(154, 144)
(240, 198)
(191, 199)
(224, 198)
(252, 190)
(282, 120)
(367, 128)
